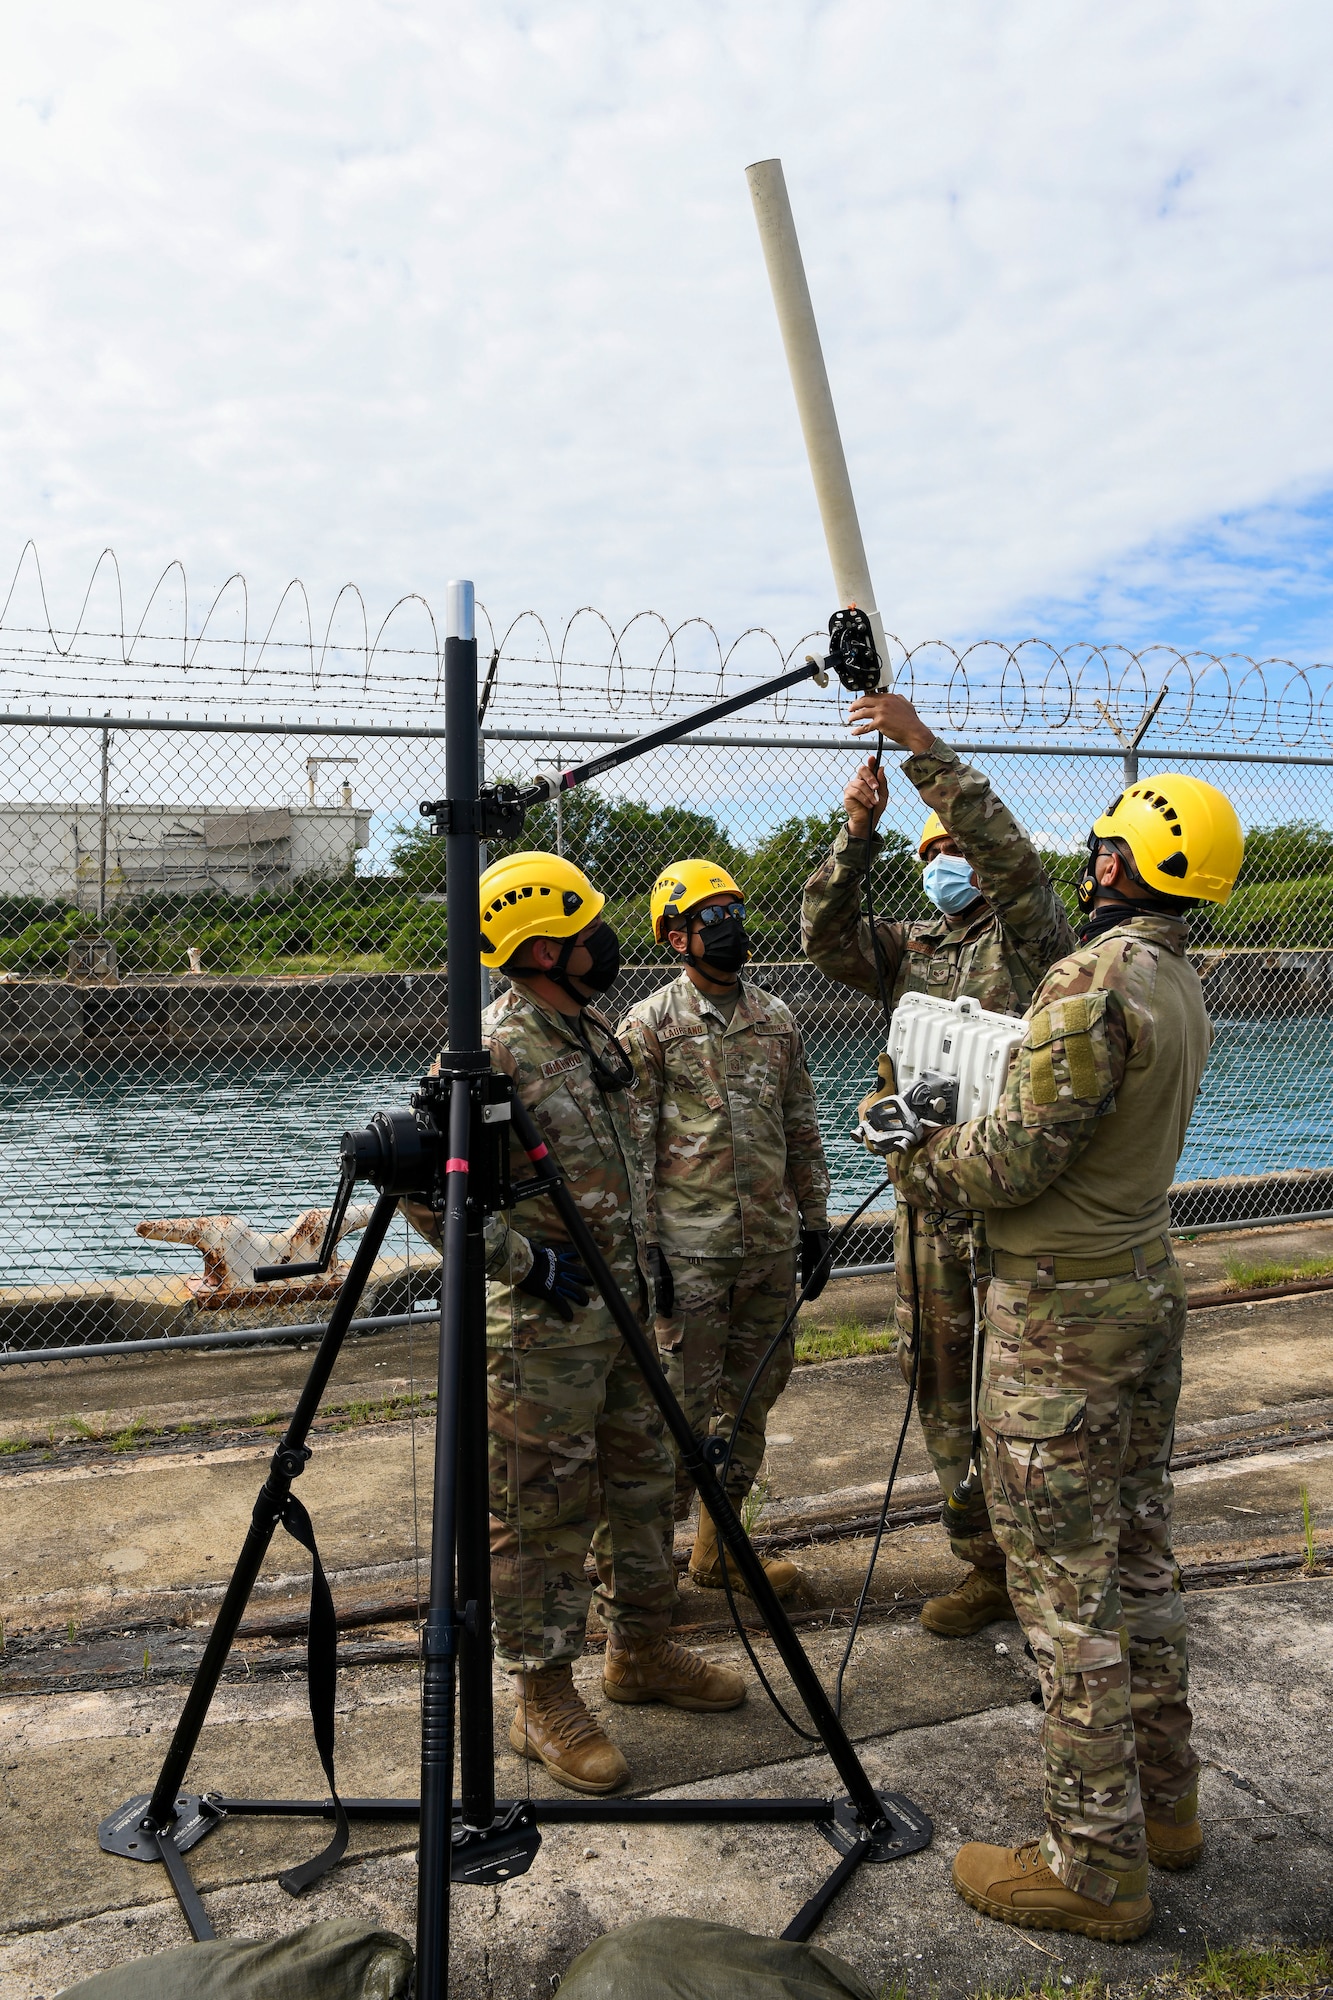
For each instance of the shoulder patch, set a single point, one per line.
(1068, 1066)
(560, 1064)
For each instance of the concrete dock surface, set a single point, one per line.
(122, 1524)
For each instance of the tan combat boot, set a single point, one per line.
(1015, 1885)
(552, 1726)
(978, 1600)
(660, 1670)
(706, 1563)
(1175, 1838)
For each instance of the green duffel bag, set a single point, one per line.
(338, 1960)
(675, 1958)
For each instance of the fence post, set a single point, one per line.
(102, 824)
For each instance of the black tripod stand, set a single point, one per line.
(454, 1147)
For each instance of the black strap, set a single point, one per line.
(615, 1075)
(322, 1676)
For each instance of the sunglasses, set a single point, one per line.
(718, 913)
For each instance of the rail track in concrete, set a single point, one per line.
(167, 1649)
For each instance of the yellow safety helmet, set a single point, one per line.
(532, 895)
(684, 884)
(1183, 834)
(934, 829)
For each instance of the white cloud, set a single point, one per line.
(397, 292)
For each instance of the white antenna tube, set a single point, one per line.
(814, 403)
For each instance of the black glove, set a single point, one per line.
(815, 1263)
(664, 1285)
(558, 1279)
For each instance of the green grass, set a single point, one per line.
(1248, 1972)
(1307, 1531)
(753, 1505)
(847, 1336)
(1234, 1972)
(131, 1436)
(1272, 1272)
(387, 1410)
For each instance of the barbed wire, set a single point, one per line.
(638, 669)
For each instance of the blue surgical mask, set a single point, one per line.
(947, 880)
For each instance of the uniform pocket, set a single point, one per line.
(1039, 1445)
(690, 1075)
(543, 1472)
(575, 1126)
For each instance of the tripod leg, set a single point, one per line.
(806, 1921)
(288, 1461)
(730, 1532)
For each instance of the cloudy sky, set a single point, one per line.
(395, 292)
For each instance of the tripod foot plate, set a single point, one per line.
(498, 1852)
(123, 1832)
(908, 1831)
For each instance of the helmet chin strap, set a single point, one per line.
(1104, 906)
(560, 975)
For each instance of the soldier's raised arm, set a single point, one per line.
(1063, 1080)
(1010, 873)
(834, 934)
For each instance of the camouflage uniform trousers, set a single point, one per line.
(1078, 1417)
(727, 1310)
(944, 1375)
(577, 1458)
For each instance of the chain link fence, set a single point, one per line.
(222, 939)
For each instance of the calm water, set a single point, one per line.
(88, 1153)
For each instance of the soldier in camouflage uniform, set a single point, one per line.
(578, 1455)
(1085, 1315)
(1005, 926)
(737, 1182)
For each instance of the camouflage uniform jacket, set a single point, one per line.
(725, 1118)
(998, 957)
(588, 1132)
(1079, 1156)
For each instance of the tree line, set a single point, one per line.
(390, 922)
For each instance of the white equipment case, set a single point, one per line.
(958, 1039)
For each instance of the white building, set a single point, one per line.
(65, 854)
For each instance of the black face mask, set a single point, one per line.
(726, 947)
(603, 947)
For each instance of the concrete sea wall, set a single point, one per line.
(201, 1015)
